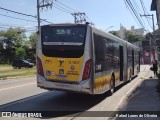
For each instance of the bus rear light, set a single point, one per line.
(39, 67)
(87, 69)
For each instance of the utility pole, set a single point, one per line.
(38, 15)
(152, 20)
(79, 17)
(42, 4)
(150, 40)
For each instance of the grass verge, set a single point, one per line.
(7, 71)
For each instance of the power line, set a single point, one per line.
(63, 8)
(135, 3)
(152, 20)
(17, 12)
(66, 6)
(23, 14)
(138, 9)
(17, 18)
(145, 12)
(92, 23)
(73, 12)
(143, 6)
(132, 13)
(79, 17)
(44, 4)
(135, 13)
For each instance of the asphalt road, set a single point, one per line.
(24, 95)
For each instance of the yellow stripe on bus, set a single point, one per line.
(103, 83)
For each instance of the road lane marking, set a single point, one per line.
(16, 86)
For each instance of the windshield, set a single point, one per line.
(25, 61)
(63, 35)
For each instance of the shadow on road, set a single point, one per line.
(67, 103)
(53, 101)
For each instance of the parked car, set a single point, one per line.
(22, 63)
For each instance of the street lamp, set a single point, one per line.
(4, 47)
(109, 28)
(2, 40)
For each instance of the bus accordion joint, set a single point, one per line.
(87, 69)
(39, 67)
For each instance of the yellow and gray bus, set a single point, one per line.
(82, 58)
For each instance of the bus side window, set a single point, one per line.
(109, 54)
(116, 62)
(99, 47)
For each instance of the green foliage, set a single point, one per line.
(133, 38)
(32, 40)
(20, 53)
(13, 45)
(115, 33)
(32, 47)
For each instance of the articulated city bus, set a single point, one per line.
(82, 58)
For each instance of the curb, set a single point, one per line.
(6, 78)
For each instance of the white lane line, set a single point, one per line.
(16, 86)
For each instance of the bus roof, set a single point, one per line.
(97, 29)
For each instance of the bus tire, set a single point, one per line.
(112, 85)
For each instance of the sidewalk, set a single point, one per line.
(144, 98)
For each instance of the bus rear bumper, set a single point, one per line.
(45, 84)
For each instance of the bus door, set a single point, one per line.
(132, 62)
(121, 62)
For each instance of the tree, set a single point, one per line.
(32, 40)
(31, 49)
(133, 38)
(115, 33)
(11, 43)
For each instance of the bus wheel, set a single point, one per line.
(112, 85)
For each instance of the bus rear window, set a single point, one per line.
(63, 35)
